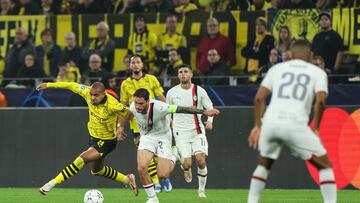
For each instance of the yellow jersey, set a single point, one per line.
(167, 42)
(102, 117)
(143, 44)
(186, 8)
(130, 85)
(72, 76)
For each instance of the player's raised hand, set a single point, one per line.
(41, 86)
(254, 137)
(208, 125)
(211, 112)
(120, 134)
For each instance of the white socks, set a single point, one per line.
(258, 182)
(150, 190)
(202, 177)
(327, 185)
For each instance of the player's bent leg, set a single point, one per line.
(165, 167)
(326, 176)
(143, 160)
(71, 170)
(259, 178)
(202, 173)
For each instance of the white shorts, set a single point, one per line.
(161, 147)
(301, 141)
(188, 149)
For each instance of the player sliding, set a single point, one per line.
(154, 123)
(104, 110)
(293, 86)
(188, 130)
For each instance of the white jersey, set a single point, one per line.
(156, 122)
(293, 85)
(195, 97)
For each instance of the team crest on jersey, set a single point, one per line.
(82, 87)
(195, 97)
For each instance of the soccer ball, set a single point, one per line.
(93, 196)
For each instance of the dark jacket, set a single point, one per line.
(29, 9)
(29, 72)
(105, 50)
(53, 56)
(75, 56)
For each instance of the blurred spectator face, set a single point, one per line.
(63, 70)
(213, 56)
(46, 3)
(287, 55)
(275, 3)
(5, 4)
(70, 40)
(273, 58)
(46, 39)
(260, 28)
(173, 56)
(284, 34)
(88, 2)
(20, 35)
(177, 2)
(102, 30)
(136, 64)
(140, 25)
(325, 22)
(95, 63)
(212, 26)
(258, 3)
(29, 60)
(127, 62)
(171, 24)
(112, 83)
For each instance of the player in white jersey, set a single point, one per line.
(293, 86)
(154, 122)
(188, 130)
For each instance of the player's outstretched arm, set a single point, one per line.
(190, 110)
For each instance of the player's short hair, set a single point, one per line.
(135, 56)
(184, 66)
(142, 93)
(99, 86)
(301, 43)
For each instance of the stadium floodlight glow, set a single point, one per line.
(340, 134)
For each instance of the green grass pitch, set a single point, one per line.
(72, 195)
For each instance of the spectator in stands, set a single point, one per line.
(90, 7)
(153, 6)
(68, 73)
(258, 48)
(319, 61)
(216, 67)
(184, 6)
(29, 70)
(67, 6)
(174, 60)
(273, 59)
(125, 72)
(48, 53)
(328, 44)
(102, 45)
(26, 7)
(96, 72)
(284, 40)
(171, 39)
(286, 56)
(6, 7)
(260, 5)
(275, 5)
(299, 4)
(226, 5)
(143, 43)
(127, 6)
(214, 40)
(72, 52)
(110, 84)
(77, 100)
(49, 7)
(16, 54)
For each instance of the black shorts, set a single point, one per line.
(103, 146)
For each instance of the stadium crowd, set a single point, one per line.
(161, 54)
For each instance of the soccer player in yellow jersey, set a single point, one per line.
(138, 80)
(107, 118)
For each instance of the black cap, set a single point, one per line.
(325, 13)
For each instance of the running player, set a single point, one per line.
(104, 132)
(293, 85)
(188, 130)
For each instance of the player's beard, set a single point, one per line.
(136, 72)
(185, 81)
